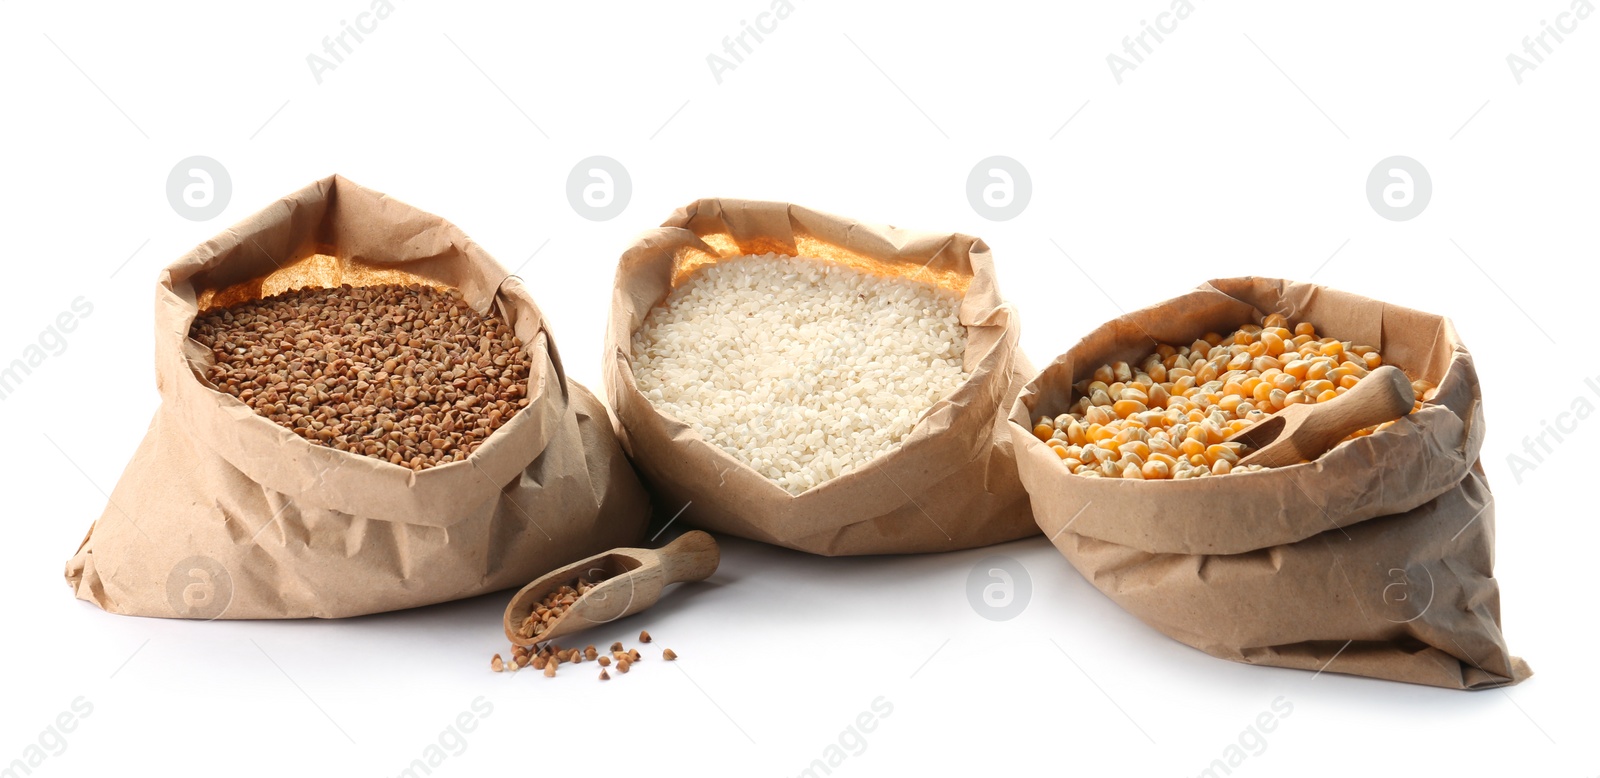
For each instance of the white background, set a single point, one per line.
(1240, 146)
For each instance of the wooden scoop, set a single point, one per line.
(1306, 431)
(627, 580)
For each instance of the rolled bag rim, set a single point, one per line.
(869, 499)
(328, 478)
(1286, 504)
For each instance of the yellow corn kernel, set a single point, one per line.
(1126, 408)
(1061, 451)
(1137, 448)
(1272, 343)
(1305, 328)
(1157, 373)
(1263, 364)
(1211, 339)
(1332, 348)
(1097, 414)
(1319, 369)
(1043, 431)
(1314, 388)
(1327, 395)
(1158, 396)
(1155, 469)
(1104, 375)
(1356, 368)
(1130, 471)
(1076, 435)
(1296, 397)
(1221, 467)
(1220, 452)
(1276, 399)
(1230, 403)
(1297, 368)
(1373, 359)
(1192, 445)
(1286, 382)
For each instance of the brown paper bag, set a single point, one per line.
(224, 514)
(952, 483)
(1376, 559)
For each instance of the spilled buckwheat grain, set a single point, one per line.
(550, 656)
(404, 373)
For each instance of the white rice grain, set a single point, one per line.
(802, 369)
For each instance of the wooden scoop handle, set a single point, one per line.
(1383, 395)
(692, 557)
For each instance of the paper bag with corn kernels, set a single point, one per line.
(950, 484)
(1375, 559)
(222, 513)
